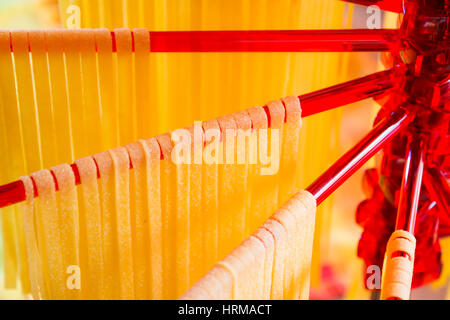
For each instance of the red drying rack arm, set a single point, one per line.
(275, 40)
(266, 40)
(14, 192)
(346, 93)
(411, 185)
(312, 103)
(341, 170)
(388, 5)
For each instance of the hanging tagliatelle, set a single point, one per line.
(273, 263)
(148, 220)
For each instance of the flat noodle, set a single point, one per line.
(300, 282)
(256, 274)
(217, 284)
(309, 219)
(91, 104)
(259, 211)
(182, 214)
(59, 96)
(235, 267)
(269, 245)
(125, 83)
(289, 223)
(107, 85)
(49, 235)
(73, 45)
(153, 180)
(227, 201)
(210, 195)
(109, 236)
(41, 78)
(224, 288)
(38, 287)
(25, 95)
(243, 125)
(121, 166)
(91, 243)
(168, 180)
(280, 251)
(68, 224)
(242, 259)
(146, 119)
(273, 263)
(272, 156)
(289, 168)
(139, 220)
(196, 216)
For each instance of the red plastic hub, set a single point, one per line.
(424, 89)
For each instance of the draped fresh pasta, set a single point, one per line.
(90, 221)
(139, 225)
(254, 270)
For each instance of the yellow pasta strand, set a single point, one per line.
(210, 194)
(50, 235)
(226, 194)
(139, 219)
(153, 179)
(90, 220)
(107, 85)
(169, 213)
(91, 105)
(72, 42)
(59, 98)
(109, 238)
(121, 164)
(124, 77)
(196, 216)
(38, 287)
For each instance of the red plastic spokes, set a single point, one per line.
(424, 90)
(275, 41)
(356, 157)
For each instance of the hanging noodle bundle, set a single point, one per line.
(191, 197)
(273, 263)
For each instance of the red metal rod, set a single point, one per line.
(346, 93)
(265, 40)
(341, 170)
(411, 186)
(12, 193)
(388, 5)
(275, 41)
(312, 103)
(439, 190)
